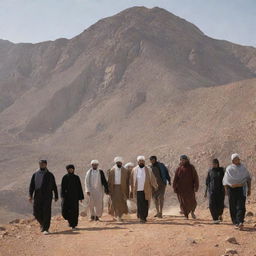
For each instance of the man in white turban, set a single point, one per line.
(237, 182)
(118, 184)
(142, 183)
(95, 185)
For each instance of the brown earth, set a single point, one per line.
(172, 235)
(141, 82)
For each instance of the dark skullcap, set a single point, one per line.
(153, 158)
(43, 162)
(215, 161)
(70, 166)
(184, 157)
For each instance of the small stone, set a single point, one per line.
(191, 240)
(232, 240)
(216, 245)
(230, 252)
(5, 234)
(22, 221)
(249, 214)
(2, 229)
(14, 221)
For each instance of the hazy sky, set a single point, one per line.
(41, 20)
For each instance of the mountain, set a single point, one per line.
(141, 82)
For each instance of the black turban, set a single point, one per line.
(43, 162)
(184, 157)
(70, 166)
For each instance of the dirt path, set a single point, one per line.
(172, 235)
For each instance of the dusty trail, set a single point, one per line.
(172, 235)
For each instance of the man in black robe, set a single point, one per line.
(216, 191)
(71, 194)
(41, 189)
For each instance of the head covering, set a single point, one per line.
(43, 162)
(118, 159)
(140, 158)
(215, 161)
(70, 166)
(153, 158)
(130, 164)
(184, 157)
(94, 162)
(233, 156)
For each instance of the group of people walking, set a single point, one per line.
(140, 183)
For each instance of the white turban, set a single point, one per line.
(129, 165)
(94, 162)
(233, 156)
(140, 158)
(118, 159)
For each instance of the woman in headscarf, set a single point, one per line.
(215, 190)
(185, 185)
(237, 181)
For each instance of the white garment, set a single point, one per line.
(117, 175)
(141, 176)
(236, 174)
(94, 186)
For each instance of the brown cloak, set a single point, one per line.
(118, 193)
(185, 185)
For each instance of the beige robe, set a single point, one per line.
(150, 182)
(118, 193)
(94, 186)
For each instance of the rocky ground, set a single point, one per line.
(172, 235)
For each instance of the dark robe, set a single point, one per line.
(42, 188)
(185, 184)
(216, 191)
(71, 193)
(158, 194)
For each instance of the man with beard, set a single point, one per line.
(95, 185)
(216, 191)
(162, 177)
(142, 182)
(185, 185)
(118, 184)
(71, 194)
(41, 189)
(237, 182)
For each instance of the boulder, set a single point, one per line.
(230, 252)
(249, 214)
(231, 240)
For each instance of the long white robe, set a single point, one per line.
(94, 186)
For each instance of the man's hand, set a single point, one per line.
(131, 195)
(88, 193)
(81, 201)
(55, 199)
(30, 199)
